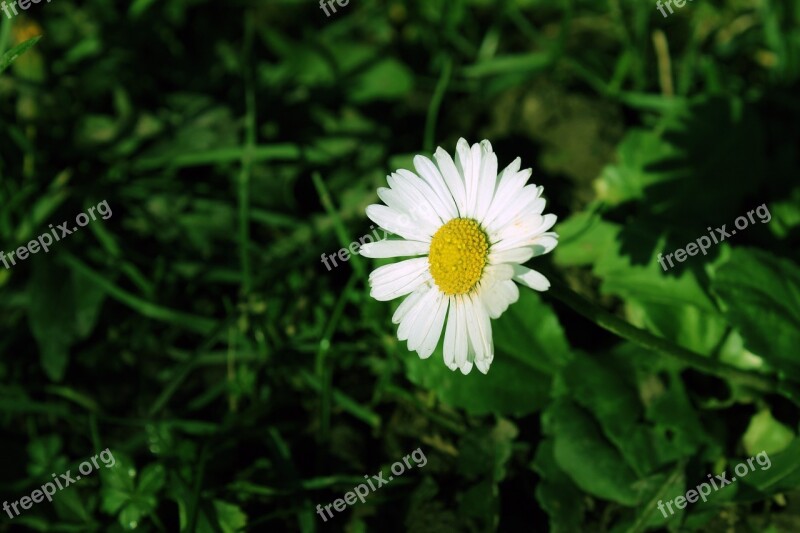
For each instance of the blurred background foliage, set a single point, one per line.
(239, 383)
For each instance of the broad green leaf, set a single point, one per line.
(717, 144)
(556, 492)
(231, 518)
(784, 216)
(70, 506)
(45, 456)
(599, 386)
(760, 294)
(484, 453)
(627, 179)
(63, 309)
(670, 305)
(583, 239)
(388, 79)
(481, 503)
(51, 317)
(590, 460)
(766, 434)
(776, 472)
(152, 479)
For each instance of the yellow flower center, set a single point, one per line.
(458, 255)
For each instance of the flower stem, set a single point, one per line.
(647, 340)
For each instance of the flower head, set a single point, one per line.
(473, 230)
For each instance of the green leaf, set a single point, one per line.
(556, 492)
(628, 178)
(117, 484)
(673, 306)
(766, 434)
(785, 215)
(12, 55)
(131, 516)
(122, 493)
(62, 310)
(231, 518)
(511, 64)
(484, 453)
(778, 472)
(588, 458)
(70, 506)
(89, 299)
(606, 388)
(387, 79)
(151, 479)
(51, 318)
(760, 294)
(45, 456)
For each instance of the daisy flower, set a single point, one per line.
(472, 229)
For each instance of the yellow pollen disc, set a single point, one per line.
(458, 255)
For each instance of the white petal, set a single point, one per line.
(391, 281)
(486, 328)
(524, 233)
(496, 273)
(544, 243)
(483, 364)
(510, 291)
(399, 269)
(400, 223)
(494, 301)
(518, 207)
(472, 177)
(462, 337)
(480, 335)
(463, 161)
(471, 316)
(514, 255)
(486, 181)
(509, 184)
(467, 366)
(499, 296)
(411, 186)
(530, 278)
(395, 200)
(430, 173)
(450, 334)
(428, 203)
(453, 179)
(430, 338)
(394, 248)
(416, 317)
(409, 303)
(538, 206)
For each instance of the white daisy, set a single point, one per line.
(474, 229)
